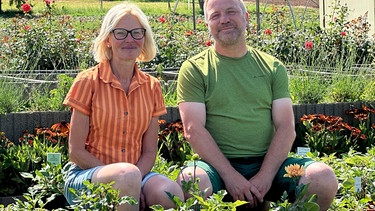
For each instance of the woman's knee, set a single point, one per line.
(124, 175)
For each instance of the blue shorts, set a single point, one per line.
(250, 168)
(75, 177)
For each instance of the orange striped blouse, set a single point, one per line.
(117, 121)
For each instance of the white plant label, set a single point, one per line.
(302, 151)
(357, 184)
(54, 158)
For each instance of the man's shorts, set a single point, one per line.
(250, 168)
(75, 177)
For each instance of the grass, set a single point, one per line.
(96, 8)
(99, 8)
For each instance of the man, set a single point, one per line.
(237, 113)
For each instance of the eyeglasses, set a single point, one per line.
(121, 34)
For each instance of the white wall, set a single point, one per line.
(356, 8)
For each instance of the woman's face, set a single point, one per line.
(127, 48)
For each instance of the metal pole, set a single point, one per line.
(258, 15)
(194, 25)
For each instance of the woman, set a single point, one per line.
(115, 110)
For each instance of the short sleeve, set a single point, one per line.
(80, 94)
(190, 83)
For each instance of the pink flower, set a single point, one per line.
(27, 28)
(200, 21)
(268, 31)
(26, 7)
(48, 2)
(161, 19)
(343, 33)
(308, 45)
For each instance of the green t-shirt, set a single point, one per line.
(238, 93)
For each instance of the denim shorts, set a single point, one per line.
(249, 169)
(75, 176)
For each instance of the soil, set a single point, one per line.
(302, 3)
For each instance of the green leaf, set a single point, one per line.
(311, 206)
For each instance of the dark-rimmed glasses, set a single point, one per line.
(121, 34)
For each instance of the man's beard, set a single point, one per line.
(229, 39)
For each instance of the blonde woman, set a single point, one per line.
(115, 110)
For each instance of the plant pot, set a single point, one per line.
(6, 200)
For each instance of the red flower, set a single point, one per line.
(308, 45)
(268, 31)
(26, 7)
(188, 33)
(161, 19)
(343, 33)
(48, 2)
(208, 43)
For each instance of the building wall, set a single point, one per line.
(357, 8)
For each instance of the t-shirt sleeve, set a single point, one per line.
(280, 85)
(190, 84)
(159, 108)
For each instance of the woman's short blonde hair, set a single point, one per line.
(111, 19)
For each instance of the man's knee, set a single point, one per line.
(191, 175)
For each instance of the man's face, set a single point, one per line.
(226, 21)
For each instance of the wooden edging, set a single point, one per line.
(14, 124)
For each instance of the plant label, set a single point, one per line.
(302, 151)
(357, 184)
(54, 158)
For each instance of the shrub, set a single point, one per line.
(172, 144)
(29, 155)
(12, 96)
(43, 43)
(330, 134)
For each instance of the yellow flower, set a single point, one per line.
(294, 170)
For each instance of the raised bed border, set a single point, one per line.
(14, 124)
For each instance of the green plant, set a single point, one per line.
(46, 99)
(99, 197)
(169, 93)
(197, 201)
(330, 134)
(49, 184)
(346, 88)
(43, 43)
(172, 143)
(307, 89)
(303, 201)
(29, 155)
(33, 201)
(12, 96)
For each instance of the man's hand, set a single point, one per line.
(241, 189)
(262, 183)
